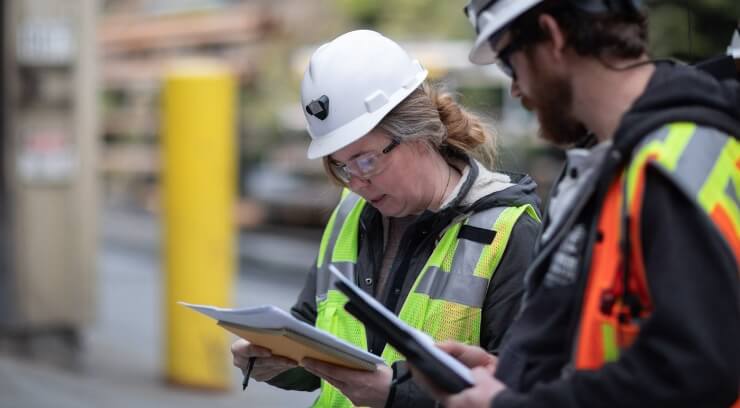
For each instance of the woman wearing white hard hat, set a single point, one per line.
(423, 225)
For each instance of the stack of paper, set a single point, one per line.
(272, 328)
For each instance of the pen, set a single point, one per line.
(250, 365)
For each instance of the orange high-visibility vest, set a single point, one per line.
(607, 323)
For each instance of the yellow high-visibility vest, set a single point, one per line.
(446, 298)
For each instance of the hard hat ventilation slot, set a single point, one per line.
(375, 101)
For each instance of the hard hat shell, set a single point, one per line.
(491, 17)
(490, 22)
(351, 83)
(733, 49)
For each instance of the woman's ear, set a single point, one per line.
(415, 145)
(421, 147)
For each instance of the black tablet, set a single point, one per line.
(443, 370)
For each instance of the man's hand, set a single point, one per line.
(471, 356)
(482, 365)
(479, 396)
(363, 388)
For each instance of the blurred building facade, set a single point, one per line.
(139, 39)
(266, 43)
(48, 175)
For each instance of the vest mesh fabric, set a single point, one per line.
(442, 318)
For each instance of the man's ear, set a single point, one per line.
(555, 35)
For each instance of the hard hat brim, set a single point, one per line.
(361, 126)
(341, 137)
(492, 21)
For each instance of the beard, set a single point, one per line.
(552, 100)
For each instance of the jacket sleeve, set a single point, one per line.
(304, 309)
(499, 308)
(686, 354)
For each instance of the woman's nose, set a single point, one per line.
(357, 183)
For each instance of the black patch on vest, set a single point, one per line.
(475, 234)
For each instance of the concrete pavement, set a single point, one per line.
(120, 364)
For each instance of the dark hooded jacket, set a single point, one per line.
(687, 353)
(504, 291)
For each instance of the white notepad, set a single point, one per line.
(272, 328)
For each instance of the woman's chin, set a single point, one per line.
(388, 207)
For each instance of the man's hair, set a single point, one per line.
(613, 35)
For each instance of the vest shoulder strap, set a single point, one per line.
(702, 162)
(339, 241)
(483, 237)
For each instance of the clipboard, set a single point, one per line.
(440, 368)
(270, 327)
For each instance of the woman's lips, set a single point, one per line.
(378, 200)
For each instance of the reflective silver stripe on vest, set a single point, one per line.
(699, 158)
(323, 275)
(346, 268)
(461, 285)
(463, 288)
(468, 252)
(660, 135)
(466, 256)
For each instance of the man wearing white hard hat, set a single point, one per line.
(632, 298)
(424, 224)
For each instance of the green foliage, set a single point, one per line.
(409, 18)
(692, 30)
(686, 29)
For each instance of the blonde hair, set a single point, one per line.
(433, 115)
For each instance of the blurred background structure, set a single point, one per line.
(81, 277)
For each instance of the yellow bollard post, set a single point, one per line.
(198, 192)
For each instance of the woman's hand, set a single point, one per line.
(266, 366)
(363, 388)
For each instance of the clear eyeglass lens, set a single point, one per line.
(341, 172)
(364, 166)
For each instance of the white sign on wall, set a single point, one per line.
(47, 40)
(46, 156)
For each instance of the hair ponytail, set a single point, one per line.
(466, 132)
(433, 115)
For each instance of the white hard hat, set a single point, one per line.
(489, 18)
(733, 49)
(351, 83)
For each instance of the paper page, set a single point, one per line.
(271, 317)
(422, 338)
(263, 317)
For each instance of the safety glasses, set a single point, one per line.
(365, 166)
(503, 57)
